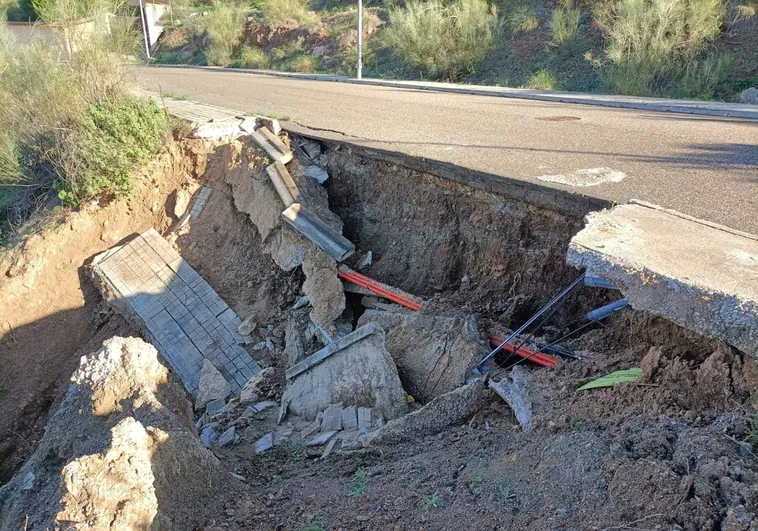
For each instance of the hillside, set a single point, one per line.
(705, 49)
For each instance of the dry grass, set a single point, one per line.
(225, 25)
(296, 12)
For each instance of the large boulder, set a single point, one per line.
(120, 453)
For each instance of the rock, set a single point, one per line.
(212, 386)
(356, 369)
(322, 439)
(320, 51)
(262, 406)
(323, 288)
(446, 410)
(264, 443)
(293, 349)
(28, 482)
(364, 262)
(247, 327)
(302, 302)
(316, 172)
(214, 408)
(434, 354)
(350, 417)
(258, 386)
(270, 346)
(311, 148)
(749, 96)
(512, 389)
(208, 436)
(380, 422)
(181, 202)
(228, 438)
(122, 439)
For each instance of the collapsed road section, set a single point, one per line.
(368, 346)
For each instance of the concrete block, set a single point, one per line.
(697, 274)
(364, 418)
(322, 439)
(228, 438)
(215, 407)
(208, 436)
(356, 369)
(332, 419)
(350, 417)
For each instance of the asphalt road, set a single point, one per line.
(702, 166)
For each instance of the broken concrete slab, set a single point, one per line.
(329, 447)
(310, 429)
(512, 389)
(263, 406)
(293, 344)
(331, 420)
(434, 354)
(215, 407)
(212, 386)
(317, 173)
(272, 145)
(284, 184)
(208, 436)
(322, 235)
(356, 369)
(264, 443)
(322, 439)
(364, 418)
(446, 410)
(697, 274)
(228, 438)
(323, 289)
(258, 386)
(350, 417)
(311, 148)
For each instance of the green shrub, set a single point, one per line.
(443, 41)
(703, 76)
(253, 58)
(225, 25)
(523, 19)
(305, 64)
(564, 22)
(649, 44)
(542, 79)
(96, 155)
(279, 12)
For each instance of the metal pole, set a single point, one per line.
(360, 39)
(143, 17)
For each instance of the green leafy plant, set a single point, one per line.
(613, 379)
(305, 64)
(360, 482)
(564, 22)
(444, 41)
(523, 19)
(474, 483)
(251, 57)
(225, 25)
(434, 501)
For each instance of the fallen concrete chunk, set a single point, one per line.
(350, 418)
(332, 418)
(293, 345)
(212, 386)
(272, 145)
(215, 408)
(310, 147)
(258, 386)
(321, 440)
(264, 443)
(329, 448)
(513, 390)
(311, 429)
(310, 226)
(284, 184)
(316, 172)
(700, 275)
(220, 129)
(356, 369)
(28, 482)
(262, 406)
(364, 418)
(228, 438)
(434, 354)
(452, 408)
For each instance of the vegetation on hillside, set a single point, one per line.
(70, 130)
(680, 48)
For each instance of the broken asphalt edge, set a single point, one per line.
(720, 109)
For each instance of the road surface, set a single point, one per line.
(702, 166)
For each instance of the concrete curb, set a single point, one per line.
(722, 109)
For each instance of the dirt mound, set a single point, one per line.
(120, 452)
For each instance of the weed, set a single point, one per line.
(443, 41)
(250, 57)
(180, 97)
(274, 480)
(564, 22)
(315, 523)
(225, 25)
(523, 19)
(505, 493)
(752, 430)
(4, 389)
(542, 79)
(277, 12)
(286, 118)
(360, 482)
(474, 483)
(434, 501)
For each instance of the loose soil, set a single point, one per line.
(659, 454)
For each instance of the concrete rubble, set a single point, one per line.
(355, 369)
(434, 354)
(212, 386)
(122, 441)
(512, 389)
(697, 274)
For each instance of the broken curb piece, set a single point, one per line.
(284, 184)
(274, 147)
(697, 274)
(310, 226)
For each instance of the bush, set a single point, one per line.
(225, 25)
(253, 58)
(443, 41)
(95, 156)
(305, 64)
(279, 12)
(651, 43)
(564, 22)
(542, 80)
(523, 19)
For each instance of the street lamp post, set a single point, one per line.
(360, 39)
